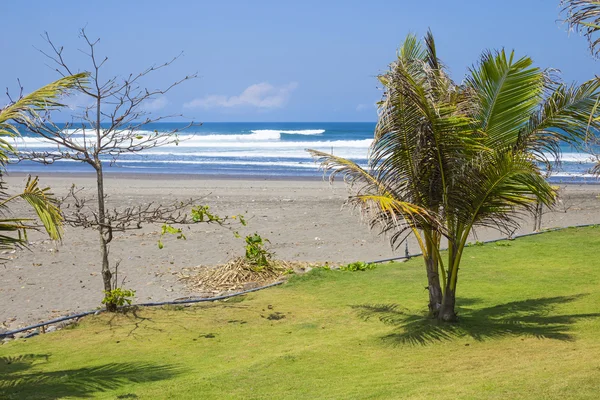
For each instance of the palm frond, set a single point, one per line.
(27, 108)
(584, 16)
(380, 205)
(498, 186)
(42, 203)
(44, 98)
(507, 92)
(567, 115)
(45, 207)
(24, 111)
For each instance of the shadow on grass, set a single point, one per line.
(133, 318)
(531, 318)
(17, 382)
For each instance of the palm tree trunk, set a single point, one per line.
(447, 311)
(433, 286)
(433, 278)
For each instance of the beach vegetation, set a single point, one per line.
(118, 296)
(167, 229)
(256, 252)
(529, 330)
(358, 266)
(13, 229)
(448, 158)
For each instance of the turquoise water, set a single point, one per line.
(253, 149)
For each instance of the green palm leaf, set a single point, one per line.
(24, 111)
(507, 92)
(563, 116)
(584, 16)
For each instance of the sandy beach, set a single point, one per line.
(303, 220)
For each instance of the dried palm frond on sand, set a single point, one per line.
(239, 274)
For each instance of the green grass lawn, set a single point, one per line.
(530, 328)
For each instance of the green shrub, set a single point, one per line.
(358, 266)
(256, 253)
(118, 296)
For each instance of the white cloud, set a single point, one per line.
(155, 104)
(260, 95)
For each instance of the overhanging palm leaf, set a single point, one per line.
(584, 16)
(24, 111)
(45, 207)
(45, 98)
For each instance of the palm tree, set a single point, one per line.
(447, 158)
(23, 111)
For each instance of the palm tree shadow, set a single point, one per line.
(17, 382)
(530, 318)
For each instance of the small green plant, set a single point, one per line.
(118, 297)
(256, 253)
(358, 266)
(503, 244)
(477, 243)
(168, 229)
(203, 214)
(200, 214)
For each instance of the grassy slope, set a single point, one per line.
(530, 329)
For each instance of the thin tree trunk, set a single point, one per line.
(537, 220)
(105, 235)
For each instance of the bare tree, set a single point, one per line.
(101, 132)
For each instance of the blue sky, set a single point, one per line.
(280, 60)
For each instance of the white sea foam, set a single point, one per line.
(253, 137)
(576, 157)
(288, 164)
(203, 142)
(226, 141)
(299, 132)
(573, 174)
(353, 153)
(308, 165)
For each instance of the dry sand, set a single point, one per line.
(302, 219)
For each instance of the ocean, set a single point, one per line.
(255, 149)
